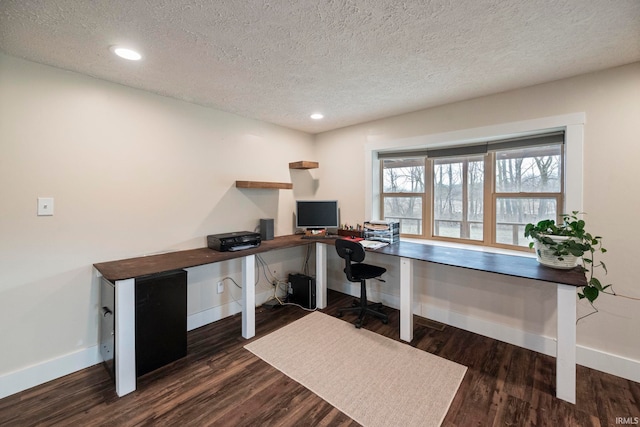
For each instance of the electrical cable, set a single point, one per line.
(305, 264)
(230, 293)
(275, 293)
(264, 266)
(294, 304)
(274, 280)
(261, 265)
(299, 306)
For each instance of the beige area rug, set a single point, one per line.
(373, 379)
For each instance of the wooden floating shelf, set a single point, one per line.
(269, 185)
(303, 165)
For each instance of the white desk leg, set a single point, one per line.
(321, 275)
(406, 299)
(249, 296)
(566, 344)
(125, 339)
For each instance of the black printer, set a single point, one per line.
(234, 241)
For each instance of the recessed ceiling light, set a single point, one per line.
(126, 53)
(317, 116)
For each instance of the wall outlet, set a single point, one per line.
(220, 287)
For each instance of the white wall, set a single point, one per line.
(610, 101)
(132, 173)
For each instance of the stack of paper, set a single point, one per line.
(372, 244)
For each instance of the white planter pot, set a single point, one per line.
(545, 255)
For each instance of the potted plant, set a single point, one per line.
(563, 245)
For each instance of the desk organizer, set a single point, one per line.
(351, 233)
(383, 231)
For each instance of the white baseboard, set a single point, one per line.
(23, 379)
(211, 315)
(214, 314)
(613, 364)
(585, 356)
(31, 376)
(500, 332)
(592, 358)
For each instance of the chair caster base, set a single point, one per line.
(374, 310)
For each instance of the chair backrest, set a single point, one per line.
(350, 250)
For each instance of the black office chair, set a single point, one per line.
(353, 254)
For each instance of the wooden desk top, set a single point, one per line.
(510, 265)
(142, 266)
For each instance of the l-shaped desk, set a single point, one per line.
(124, 272)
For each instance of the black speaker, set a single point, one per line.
(266, 229)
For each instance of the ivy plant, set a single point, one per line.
(580, 243)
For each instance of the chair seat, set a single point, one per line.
(366, 271)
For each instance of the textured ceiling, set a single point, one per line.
(354, 60)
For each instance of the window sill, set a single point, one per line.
(469, 247)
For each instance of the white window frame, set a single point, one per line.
(572, 125)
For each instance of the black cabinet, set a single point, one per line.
(161, 320)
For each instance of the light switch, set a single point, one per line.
(45, 206)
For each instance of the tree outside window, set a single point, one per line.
(403, 190)
(451, 194)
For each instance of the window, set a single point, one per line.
(482, 193)
(528, 188)
(403, 186)
(458, 197)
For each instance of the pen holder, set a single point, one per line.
(350, 233)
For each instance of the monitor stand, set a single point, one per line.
(318, 232)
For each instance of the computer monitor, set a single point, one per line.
(317, 214)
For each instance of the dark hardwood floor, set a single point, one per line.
(220, 383)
